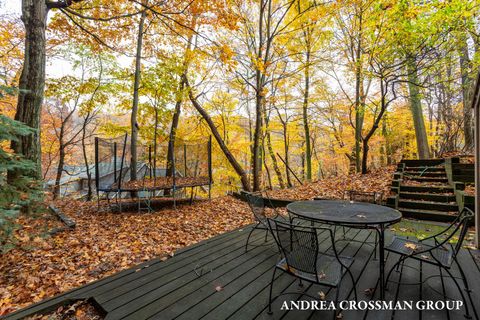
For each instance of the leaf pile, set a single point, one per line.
(378, 180)
(104, 243)
(166, 182)
(470, 190)
(80, 310)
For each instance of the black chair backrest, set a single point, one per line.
(257, 205)
(298, 244)
(460, 226)
(361, 196)
(464, 219)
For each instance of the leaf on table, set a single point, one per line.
(322, 275)
(218, 288)
(423, 256)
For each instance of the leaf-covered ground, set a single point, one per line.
(378, 180)
(104, 243)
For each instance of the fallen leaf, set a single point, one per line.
(410, 245)
(369, 292)
(322, 295)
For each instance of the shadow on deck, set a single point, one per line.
(217, 279)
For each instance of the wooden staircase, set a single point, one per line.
(423, 191)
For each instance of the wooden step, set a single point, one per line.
(436, 197)
(426, 174)
(427, 179)
(423, 162)
(429, 215)
(428, 205)
(429, 169)
(426, 189)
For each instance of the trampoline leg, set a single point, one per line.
(174, 199)
(119, 195)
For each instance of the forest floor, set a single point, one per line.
(103, 243)
(378, 180)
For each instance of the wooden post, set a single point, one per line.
(185, 160)
(97, 172)
(115, 162)
(476, 111)
(210, 167)
(121, 163)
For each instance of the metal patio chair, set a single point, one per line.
(257, 204)
(439, 251)
(301, 258)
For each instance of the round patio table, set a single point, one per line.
(353, 214)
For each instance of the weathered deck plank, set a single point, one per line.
(217, 279)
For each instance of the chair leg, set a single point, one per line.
(354, 284)
(465, 282)
(467, 313)
(300, 283)
(394, 267)
(266, 235)
(464, 279)
(270, 294)
(249, 235)
(337, 292)
(375, 247)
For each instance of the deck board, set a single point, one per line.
(217, 279)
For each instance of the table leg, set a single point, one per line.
(381, 241)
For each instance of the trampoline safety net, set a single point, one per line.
(191, 165)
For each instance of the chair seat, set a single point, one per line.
(403, 246)
(263, 223)
(330, 270)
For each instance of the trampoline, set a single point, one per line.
(190, 167)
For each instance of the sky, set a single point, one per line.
(55, 68)
(11, 6)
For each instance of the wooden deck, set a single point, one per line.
(217, 279)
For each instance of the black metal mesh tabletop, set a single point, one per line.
(347, 212)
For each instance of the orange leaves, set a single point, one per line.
(104, 243)
(378, 180)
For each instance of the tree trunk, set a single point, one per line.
(267, 170)
(365, 156)
(136, 85)
(173, 129)
(259, 104)
(416, 109)
(32, 84)
(308, 148)
(465, 66)
(374, 127)
(85, 158)
(287, 158)
(359, 114)
(276, 168)
(177, 111)
(61, 162)
(230, 157)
